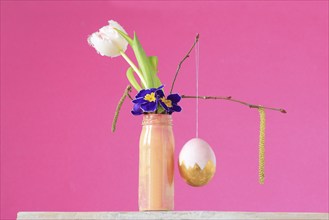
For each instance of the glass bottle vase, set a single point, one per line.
(156, 163)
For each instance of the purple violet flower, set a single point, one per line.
(170, 103)
(147, 100)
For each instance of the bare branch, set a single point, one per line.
(181, 62)
(229, 98)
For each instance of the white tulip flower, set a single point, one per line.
(107, 41)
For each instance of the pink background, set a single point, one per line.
(58, 98)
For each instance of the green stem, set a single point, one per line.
(134, 67)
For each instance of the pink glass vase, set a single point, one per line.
(156, 163)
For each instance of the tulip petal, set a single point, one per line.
(107, 41)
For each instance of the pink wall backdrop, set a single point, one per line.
(58, 98)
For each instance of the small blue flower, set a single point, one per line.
(170, 103)
(147, 100)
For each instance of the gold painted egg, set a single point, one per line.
(197, 162)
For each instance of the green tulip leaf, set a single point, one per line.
(143, 62)
(125, 36)
(154, 62)
(148, 66)
(132, 80)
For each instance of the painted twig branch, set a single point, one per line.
(229, 98)
(181, 62)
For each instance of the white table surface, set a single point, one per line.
(166, 215)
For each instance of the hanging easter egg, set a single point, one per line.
(197, 162)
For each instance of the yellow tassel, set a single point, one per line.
(261, 163)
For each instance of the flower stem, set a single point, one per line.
(134, 67)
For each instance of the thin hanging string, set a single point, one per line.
(197, 62)
(261, 163)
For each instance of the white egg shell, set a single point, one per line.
(196, 151)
